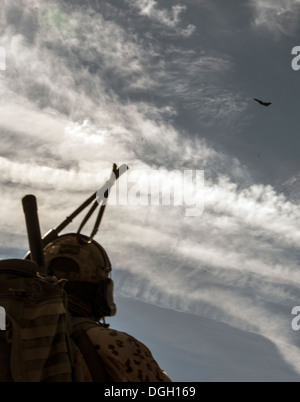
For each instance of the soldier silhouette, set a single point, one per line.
(70, 277)
(103, 354)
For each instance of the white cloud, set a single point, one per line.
(279, 16)
(169, 18)
(291, 187)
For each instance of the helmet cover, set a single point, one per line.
(90, 258)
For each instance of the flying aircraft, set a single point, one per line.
(262, 103)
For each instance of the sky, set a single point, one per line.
(166, 86)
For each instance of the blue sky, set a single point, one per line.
(164, 85)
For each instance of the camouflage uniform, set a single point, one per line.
(122, 357)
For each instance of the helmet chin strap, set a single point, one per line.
(102, 322)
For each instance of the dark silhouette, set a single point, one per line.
(262, 103)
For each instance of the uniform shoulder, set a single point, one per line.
(126, 358)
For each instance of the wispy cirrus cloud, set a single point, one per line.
(279, 16)
(168, 18)
(292, 188)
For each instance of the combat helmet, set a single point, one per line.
(91, 265)
(90, 257)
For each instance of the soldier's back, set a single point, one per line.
(125, 359)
